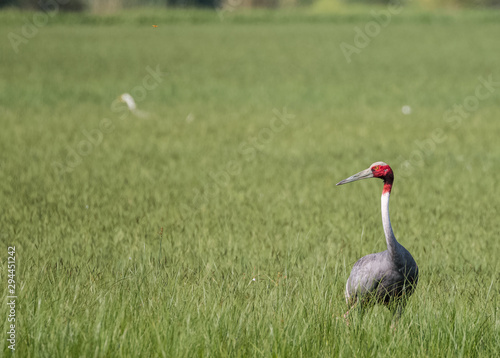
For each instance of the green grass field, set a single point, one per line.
(257, 240)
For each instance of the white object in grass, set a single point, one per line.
(129, 101)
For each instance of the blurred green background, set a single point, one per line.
(206, 228)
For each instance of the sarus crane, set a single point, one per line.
(388, 277)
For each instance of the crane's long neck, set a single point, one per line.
(392, 243)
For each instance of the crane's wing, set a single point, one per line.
(366, 275)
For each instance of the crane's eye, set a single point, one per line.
(376, 167)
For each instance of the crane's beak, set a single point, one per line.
(365, 174)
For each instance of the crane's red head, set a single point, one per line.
(376, 170)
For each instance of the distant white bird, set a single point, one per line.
(406, 109)
(129, 101)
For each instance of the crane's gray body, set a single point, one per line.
(387, 276)
(382, 277)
